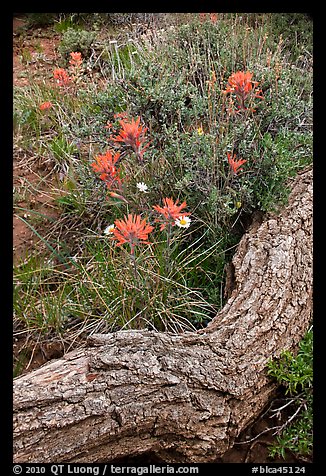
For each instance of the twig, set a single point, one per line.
(277, 410)
(289, 420)
(257, 436)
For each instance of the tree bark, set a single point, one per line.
(182, 397)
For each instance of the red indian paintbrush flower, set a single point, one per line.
(235, 164)
(203, 16)
(132, 230)
(45, 105)
(61, 76)
(132, 134)
(105, 165)
(213, 17)
(171, 211)
(118, 196)
(76, 59)
(241, 85)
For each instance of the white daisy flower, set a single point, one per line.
(108, 230)
(183, 221)
(142, 187)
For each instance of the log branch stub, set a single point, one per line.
(183, 397)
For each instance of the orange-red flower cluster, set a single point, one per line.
(61, 76)
(213, 17)
(132, 134)
(235, 164)
(105, 165)
(171, 211)
(76, 59)
(132, 230)
(242, 85)
(45, 105)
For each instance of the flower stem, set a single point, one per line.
(137, 286)
(168, 249)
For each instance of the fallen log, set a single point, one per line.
(182, 397)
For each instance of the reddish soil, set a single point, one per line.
(34, 53)
(33, 203)
(34, 58)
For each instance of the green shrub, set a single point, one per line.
(297, 31)
(174, 81)
(76, 40)
(38, 20)
(168, 89)
(295, 374)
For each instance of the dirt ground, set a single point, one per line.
(34, 57)
(29, 173)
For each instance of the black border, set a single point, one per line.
(7, 177)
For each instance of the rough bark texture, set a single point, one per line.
(184, 397)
